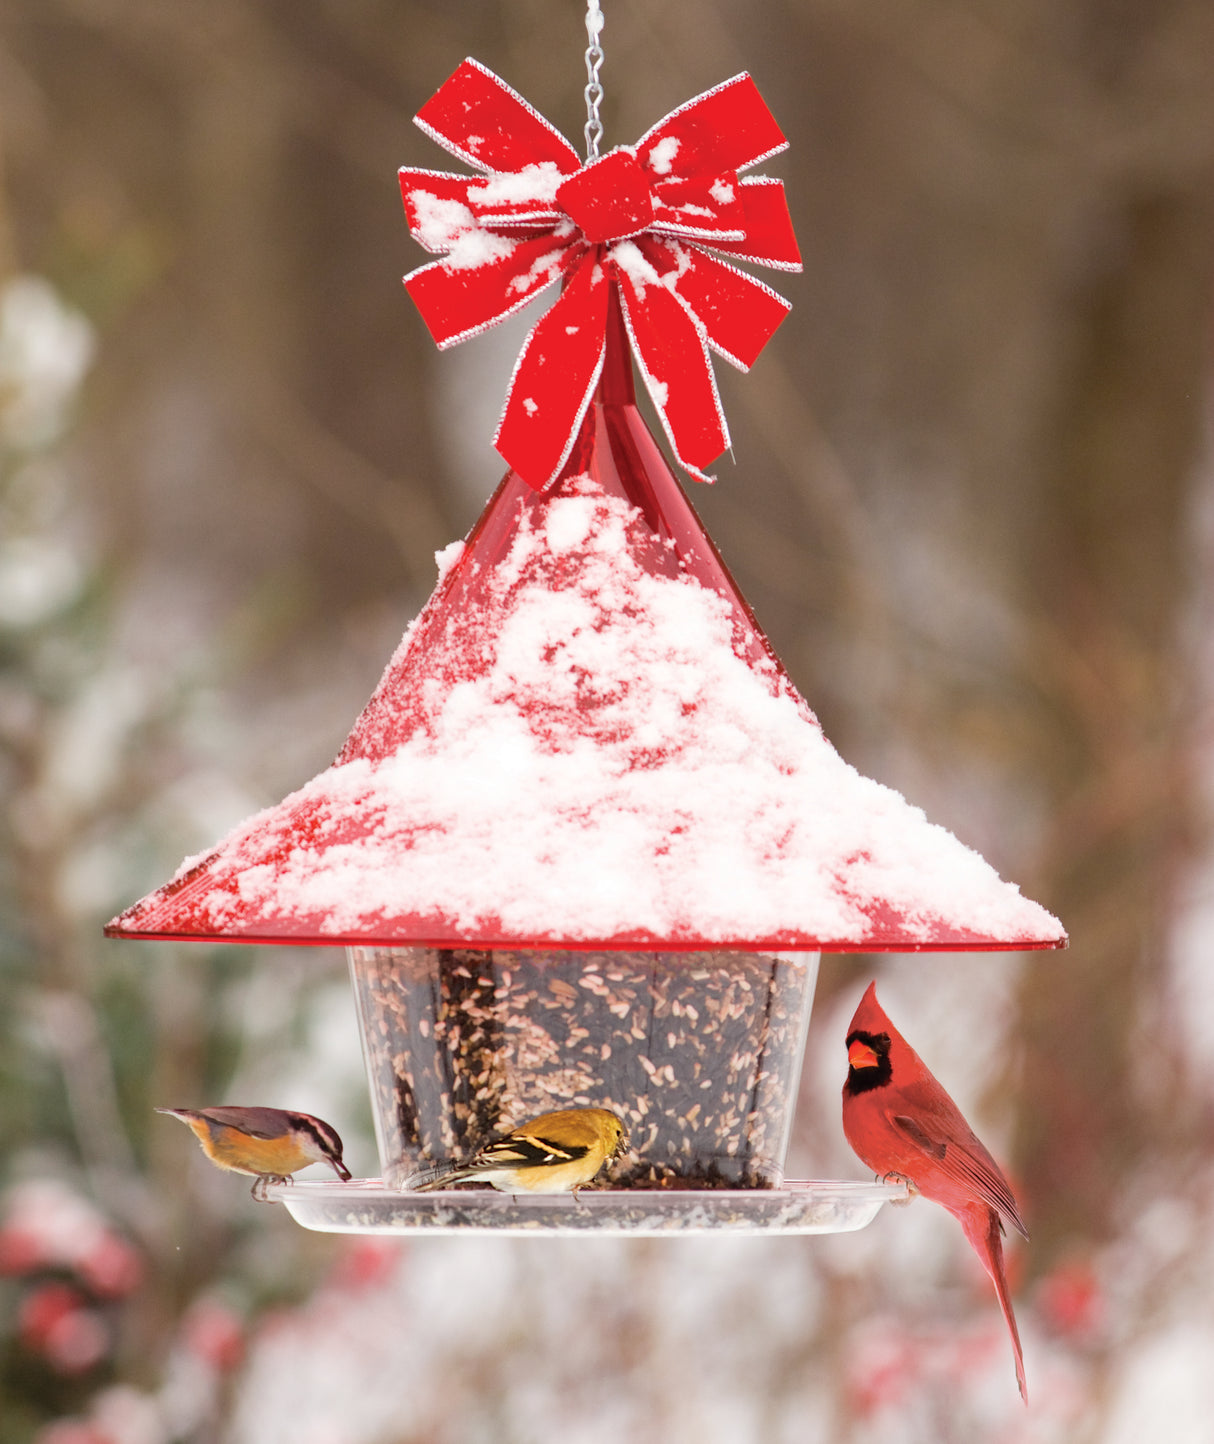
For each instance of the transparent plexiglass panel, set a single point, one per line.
(699, 1053)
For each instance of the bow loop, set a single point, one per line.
(702, 208)
(458, 300)
(479, 118)
(628, 221)
(726, 128)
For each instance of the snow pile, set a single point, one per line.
(591, 757)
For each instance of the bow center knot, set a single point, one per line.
(609, 199)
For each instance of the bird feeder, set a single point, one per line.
(585, 845)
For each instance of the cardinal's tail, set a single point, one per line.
(984, 1231)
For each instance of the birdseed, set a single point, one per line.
(699, 1053)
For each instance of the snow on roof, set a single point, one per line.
(583, 742)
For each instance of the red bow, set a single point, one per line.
(630, 220)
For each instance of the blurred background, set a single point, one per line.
(973, 505)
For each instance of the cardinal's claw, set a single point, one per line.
(907, 1183)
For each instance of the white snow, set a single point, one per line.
(606, 762)
(443, 224)
(658, 390)
(661, 158)
(541, 272)
(633, 262)
(448, 557)
(537, 182)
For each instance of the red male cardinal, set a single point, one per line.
(901, 1123)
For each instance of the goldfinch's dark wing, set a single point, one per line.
(529, 1150)
(523, 1150)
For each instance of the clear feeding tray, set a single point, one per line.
(368, 1206)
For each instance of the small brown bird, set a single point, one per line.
(268, 1143)
(554, 1153)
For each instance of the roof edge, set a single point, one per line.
(635, 942)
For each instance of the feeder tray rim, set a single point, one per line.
(799, 1206)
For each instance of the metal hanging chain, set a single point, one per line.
(594, 91)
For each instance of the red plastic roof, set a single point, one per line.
(585, 741)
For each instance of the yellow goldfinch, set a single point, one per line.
(554, 1153)
(269, 1143)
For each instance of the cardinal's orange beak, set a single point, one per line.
(860, 1055)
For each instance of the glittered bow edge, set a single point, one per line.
(505, 238)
